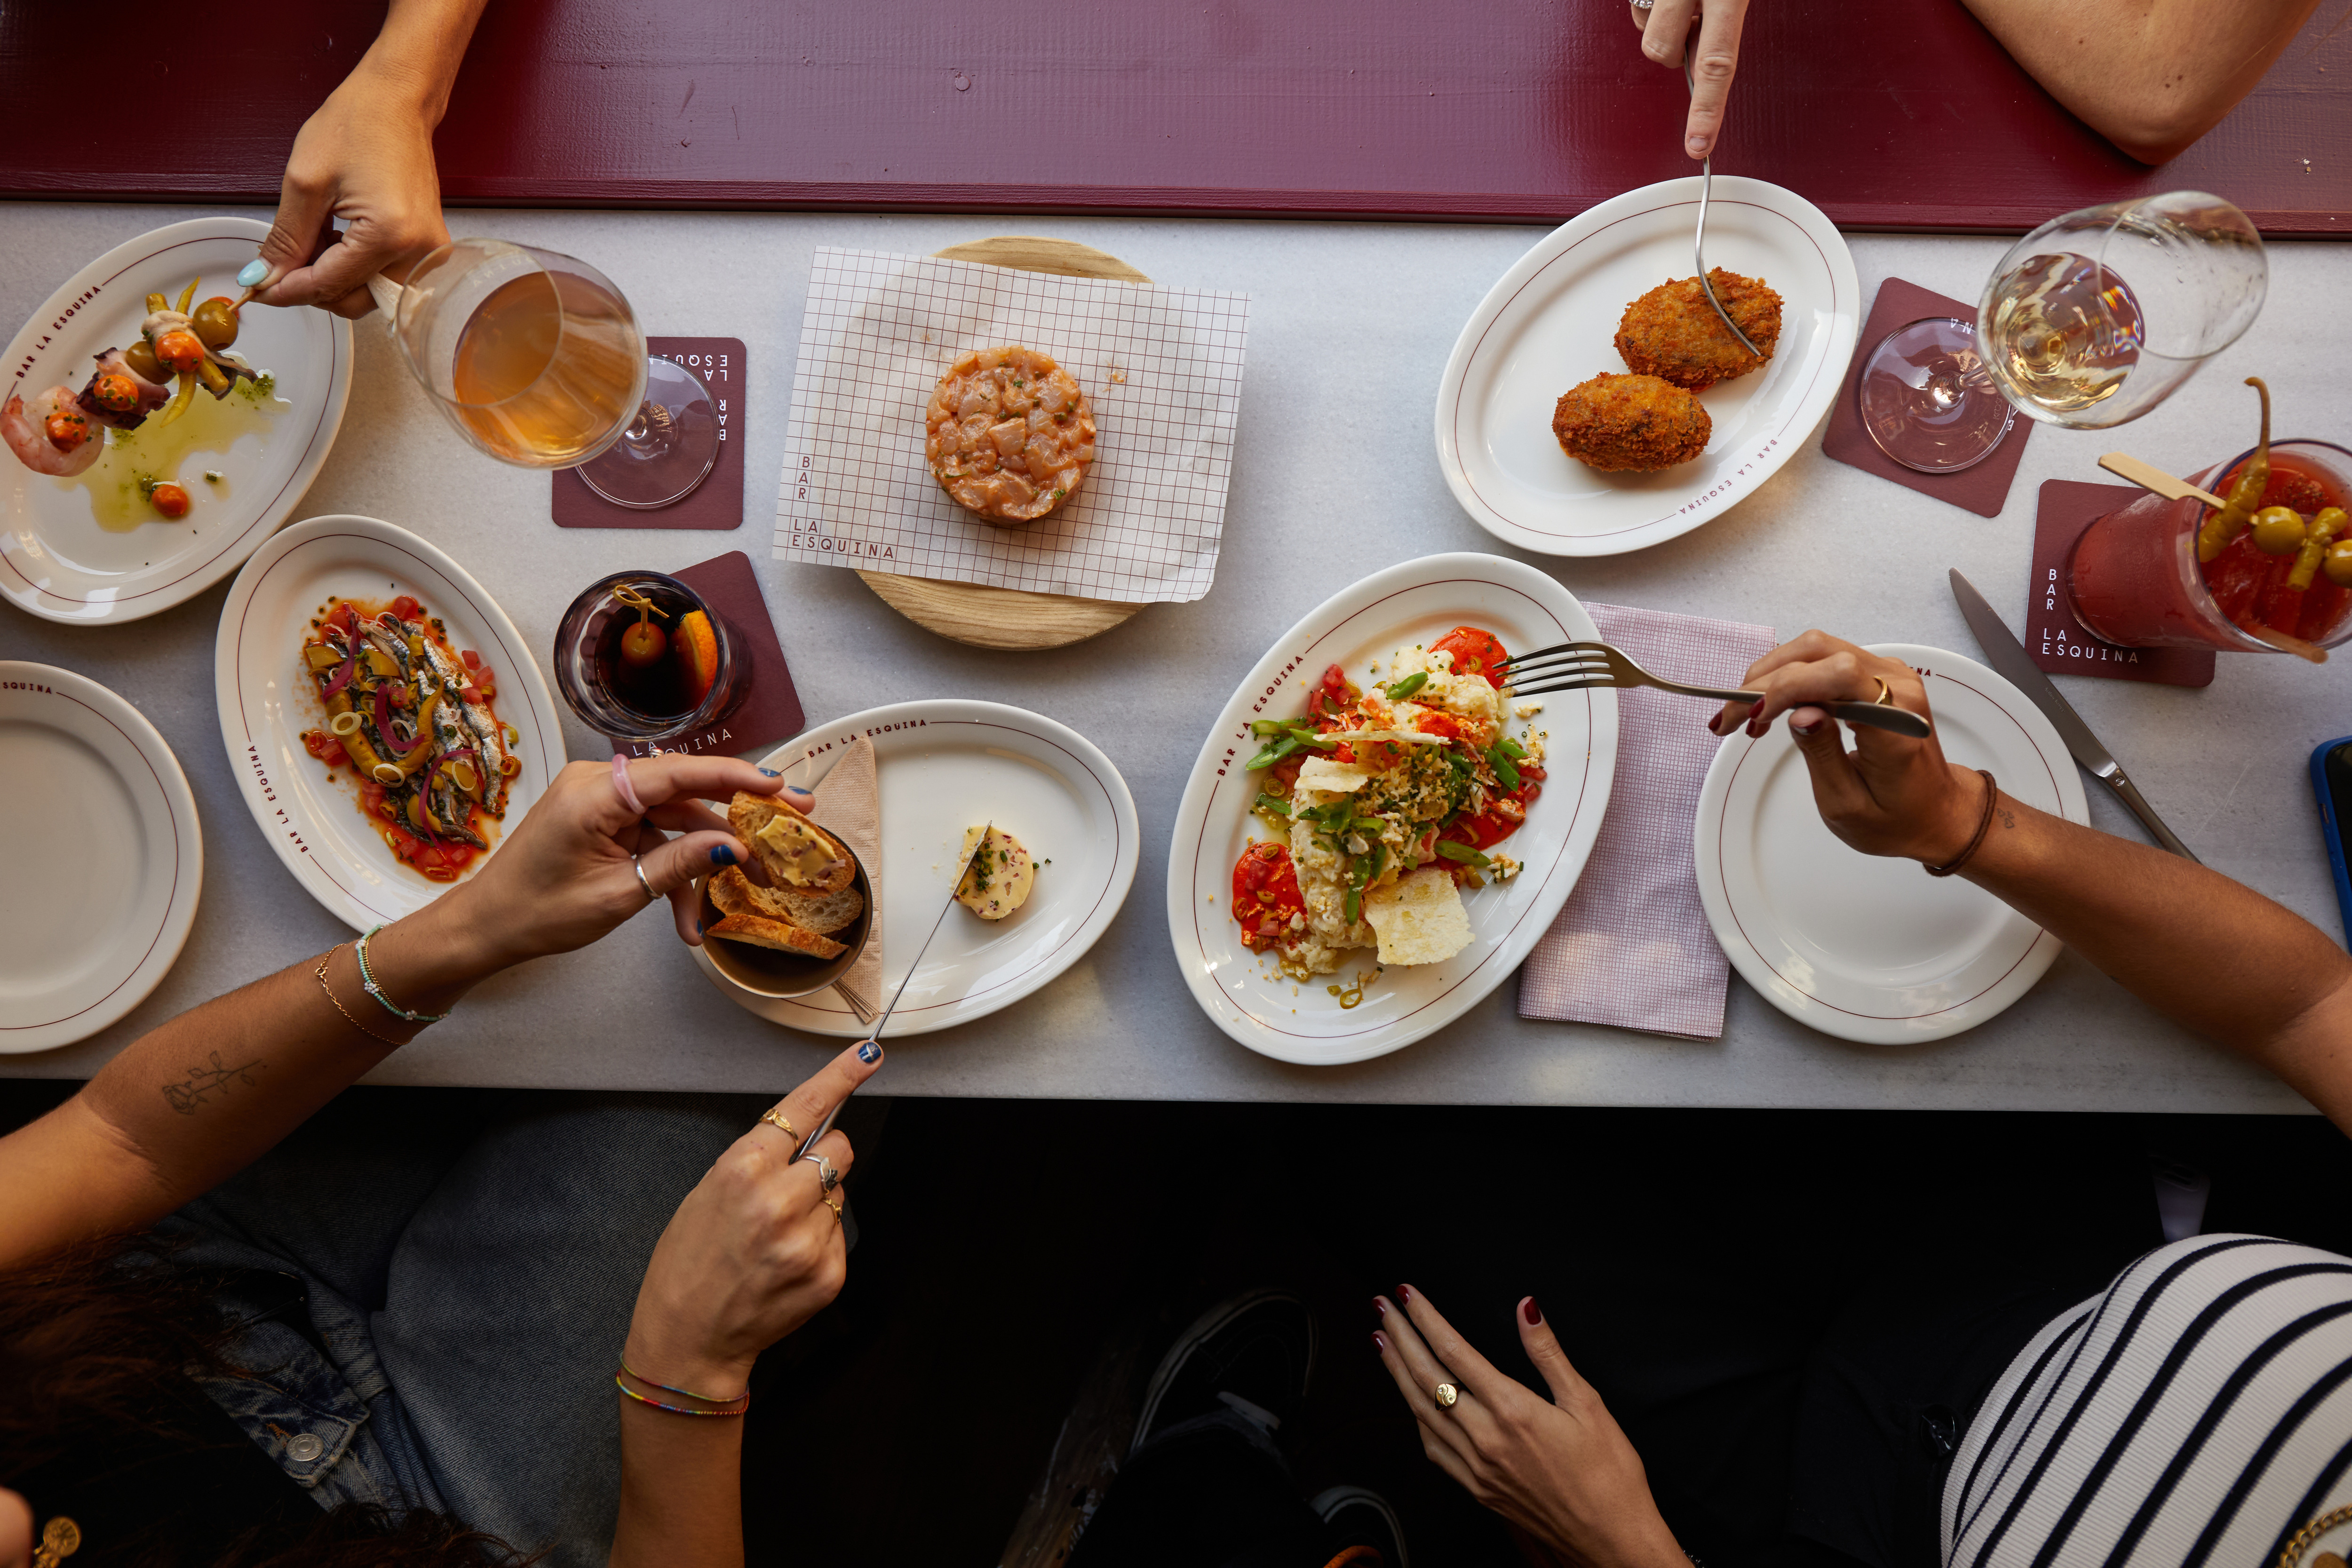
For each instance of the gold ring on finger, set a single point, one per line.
(1446, 1394)
(779, 1119)
(835, 1208)
(1884, 698)
(827, 1176)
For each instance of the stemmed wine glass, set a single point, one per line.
(2089, 321)
(536, 358)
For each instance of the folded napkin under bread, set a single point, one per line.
(1632, 948)
(849, 806)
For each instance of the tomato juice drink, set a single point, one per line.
(2135, 579)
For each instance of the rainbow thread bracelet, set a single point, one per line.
(670, 1388)
(741, 1402)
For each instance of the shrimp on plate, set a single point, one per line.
(51, 435)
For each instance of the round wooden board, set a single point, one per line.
(972, 612)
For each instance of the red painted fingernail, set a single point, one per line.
(1380, 1306)
(1404, 1292)
(1530, 1311)
(1379, 1342)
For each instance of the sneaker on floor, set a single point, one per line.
(1363, 1518)
(1250, 1355)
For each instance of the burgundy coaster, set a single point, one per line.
(771, 709)
(2054, 638)
(718, 501)
(1982, 489)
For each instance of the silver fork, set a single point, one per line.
(1581, 666)
(1698, 240)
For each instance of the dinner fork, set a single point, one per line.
(1580, 666)
(1698, 241)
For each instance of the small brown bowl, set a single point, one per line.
(765, 971)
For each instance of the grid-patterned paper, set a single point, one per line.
(1162, 368)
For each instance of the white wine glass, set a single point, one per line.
(2093, 318)
(536, 358)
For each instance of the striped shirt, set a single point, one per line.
(2199, 1411)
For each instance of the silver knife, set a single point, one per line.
(2009, 659)
(875, 1033)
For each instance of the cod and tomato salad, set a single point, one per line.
(1384, 800)
(412, 718)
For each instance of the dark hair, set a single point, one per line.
(95, 1341)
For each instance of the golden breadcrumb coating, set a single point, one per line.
(1673, 333)
(1636, 423)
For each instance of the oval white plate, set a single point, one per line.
(54, 560)
(1413, 602)
(1552, 323)
(105, 860)
(1859, 946)
(944, 765)
(266, 704)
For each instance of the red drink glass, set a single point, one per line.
(2135, 580)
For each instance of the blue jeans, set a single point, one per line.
(468, 1271)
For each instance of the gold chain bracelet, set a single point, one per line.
(320, 974)
(2300, 1540)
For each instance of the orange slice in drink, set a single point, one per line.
(697, 653)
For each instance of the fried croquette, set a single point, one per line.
(1629, 422)
(1673, 333)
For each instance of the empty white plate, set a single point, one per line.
(56, 558)
(942, 766)
(1861, 946)
(104, 858)
(1552, 323)
(310, 814)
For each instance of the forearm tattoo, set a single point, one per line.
(203, 1082)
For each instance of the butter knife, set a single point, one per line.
(2009, 658)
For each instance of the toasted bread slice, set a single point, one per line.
(823, 913)
(793, 850)
(761, 932)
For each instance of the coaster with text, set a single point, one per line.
(771, 709)
(715, 503)
(2054, 638)
(1982, 489)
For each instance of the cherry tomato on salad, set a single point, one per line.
(170, 500)
(67, 430)
(1475, 651)
(115, 392)
(180, 351)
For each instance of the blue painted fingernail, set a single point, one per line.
(868, 1052)
(697, 925)
(253, 272)
(795, 793)
(771, 773)
(722, 855)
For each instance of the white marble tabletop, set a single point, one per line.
(1350, 326)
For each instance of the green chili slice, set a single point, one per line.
(1462, 852)
(1273, 803)
(1408, 686)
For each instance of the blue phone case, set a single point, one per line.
(2332, 830)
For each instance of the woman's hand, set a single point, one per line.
(563, 878)
(1560, 1469)
(1666, 33)
(754, 1251)
(1889, 795)
(365, 156)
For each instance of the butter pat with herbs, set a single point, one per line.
(997, 881)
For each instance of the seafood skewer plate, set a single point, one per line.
(1551, 321)
(377, 805)
(81, 537)
(1362, 1010)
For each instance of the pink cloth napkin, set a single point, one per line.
(1632, 948)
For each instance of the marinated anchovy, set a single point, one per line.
(481, 721)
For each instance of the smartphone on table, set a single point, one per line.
(2331, 781)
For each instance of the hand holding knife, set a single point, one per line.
(2009, 658)
(963, 871)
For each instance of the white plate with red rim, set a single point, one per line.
(1552, 323)
(942, 765)
(105, 859)
(308, 812)
(1860, 946)
(56, 560)
(1414, 602)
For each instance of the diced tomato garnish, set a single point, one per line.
(473, 660)
(1266, 895)
(408, 609)
(1439, 724)
(1475, 652)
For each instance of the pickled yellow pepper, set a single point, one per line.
(2246, 494)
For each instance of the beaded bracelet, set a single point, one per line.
(735, 1406)
(320, 974)
(367, 983)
